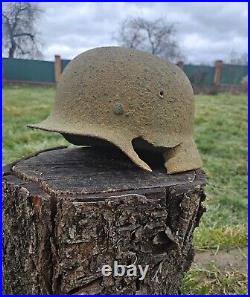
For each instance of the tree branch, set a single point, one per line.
(18, 28)
(25, 34)
(156, 37)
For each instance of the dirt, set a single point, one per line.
(225, 260)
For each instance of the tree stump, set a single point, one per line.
(69, 211)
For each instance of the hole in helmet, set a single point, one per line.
(161, 94)
(149, 153)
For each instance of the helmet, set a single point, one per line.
(120, 95)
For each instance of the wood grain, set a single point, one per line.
(68, 211)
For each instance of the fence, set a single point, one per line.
(49, 72)
(32, 71)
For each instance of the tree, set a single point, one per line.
(237, 58)
(156, 37)
(18, 27)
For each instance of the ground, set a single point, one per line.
(221, 137)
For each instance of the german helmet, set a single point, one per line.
(120, 95)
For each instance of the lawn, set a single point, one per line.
(221, 136)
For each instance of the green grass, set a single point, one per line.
(221, 136)
(22, 106)
(203, 281)
(222, 237)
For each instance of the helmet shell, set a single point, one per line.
(119, 94)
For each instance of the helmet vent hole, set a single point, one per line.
(161, 94)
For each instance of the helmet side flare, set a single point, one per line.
(119, 94)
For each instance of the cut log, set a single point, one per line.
(69, 211)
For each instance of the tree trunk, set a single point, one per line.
(68, 212)
(12, 49)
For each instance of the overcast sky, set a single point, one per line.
(205, 31)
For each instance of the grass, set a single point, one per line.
(221, 136)
(22, 106)
(212, 281)
(223, 237)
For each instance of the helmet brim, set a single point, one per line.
(124, 143)
(182, 157)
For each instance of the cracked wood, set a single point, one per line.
(67, 212)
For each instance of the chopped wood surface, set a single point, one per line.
(69, 211)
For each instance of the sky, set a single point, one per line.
(205, 31)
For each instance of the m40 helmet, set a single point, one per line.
(118, 95)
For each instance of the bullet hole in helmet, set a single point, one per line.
(161, 94)
(150, 154)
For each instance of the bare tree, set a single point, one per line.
(156, 37)
(18, 27)
(237, 58)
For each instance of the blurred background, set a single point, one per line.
(208, 41)
(198, 37)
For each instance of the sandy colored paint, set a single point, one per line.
(119, 95)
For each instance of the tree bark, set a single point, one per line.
(67, 212)
(12, 49)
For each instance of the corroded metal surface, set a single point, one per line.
(120, 94)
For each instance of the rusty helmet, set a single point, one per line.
(119, 95)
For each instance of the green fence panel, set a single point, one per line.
(64, 63)
(43, 72)
(28, 70)
(199, 75)
(233, 74)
